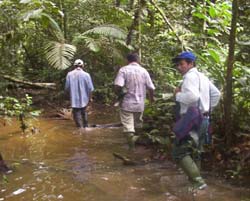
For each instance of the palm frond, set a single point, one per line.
(111, 31)
(90, 43)
(59, 54)
(124, 44)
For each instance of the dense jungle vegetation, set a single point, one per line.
(39, 40)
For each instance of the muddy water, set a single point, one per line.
(56, 164)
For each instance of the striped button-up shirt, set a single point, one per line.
(136, 80)
(79, 85)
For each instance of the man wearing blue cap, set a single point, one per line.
(196, 96)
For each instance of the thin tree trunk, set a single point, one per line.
(64, 19)
(136, 25)
(140, 2)
(228, 100)
(117, 3)
(204, 27)
(131, 4)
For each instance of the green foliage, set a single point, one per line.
(38, 34)
(158, 120)
(4, 180)
(21, 109)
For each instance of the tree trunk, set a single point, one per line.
(131, 4)
(228, 99)
(204, 27)
(136, 25)
(117, 3)
(64, 19)
(37, 85)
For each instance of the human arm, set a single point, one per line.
(67, 87)
(119, 82)
(150, 87)
(151, 96)
(90, 88)
(189, 92)
(117, 90)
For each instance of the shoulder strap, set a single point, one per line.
(199, 101)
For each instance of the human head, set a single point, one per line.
(133, 57)
(78, 63)
(184, 61)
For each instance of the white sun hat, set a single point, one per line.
(78, 62)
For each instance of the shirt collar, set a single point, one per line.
(134, 63)
(78, 68)
(190, 71)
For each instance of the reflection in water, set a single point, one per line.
(55, 164)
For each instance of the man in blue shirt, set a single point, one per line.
(79, 85)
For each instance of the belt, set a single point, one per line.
(206, 114)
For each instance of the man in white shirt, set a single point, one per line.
(135, 81)
(196, 91)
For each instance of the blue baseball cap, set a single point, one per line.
(184, 55)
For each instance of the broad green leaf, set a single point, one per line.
(212, 11)
(200, 15)
(214, 55)
(25, 1)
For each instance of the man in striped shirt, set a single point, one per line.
(80, 87)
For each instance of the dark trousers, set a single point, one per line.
(80, 117)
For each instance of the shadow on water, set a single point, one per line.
(55, 164)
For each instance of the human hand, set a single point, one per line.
(151, 100)
(177, 90)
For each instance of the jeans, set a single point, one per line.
(80, 117)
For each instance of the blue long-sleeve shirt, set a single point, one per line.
(79, 85)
